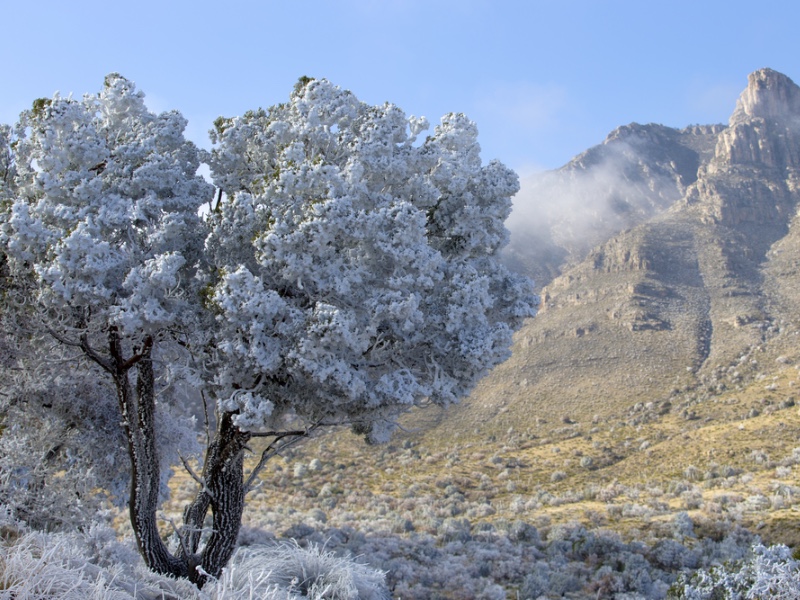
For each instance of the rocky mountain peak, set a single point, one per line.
(673, 293)
(751, 183)
(768, 95)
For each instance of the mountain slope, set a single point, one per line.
(677, 301)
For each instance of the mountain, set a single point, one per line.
(692, 286)
(636, 173)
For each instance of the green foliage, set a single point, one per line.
(220, 125)
(40, 105)
(110, 78)
(302, 83)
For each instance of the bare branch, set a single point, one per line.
(196, 477)
(205, 416)
(177, 534)
(92, 355)
(282, 434)
(273, 449)
(146, 348)
(64, 340)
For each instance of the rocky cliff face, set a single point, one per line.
(636, 173)
(695, 276)
(751, 182)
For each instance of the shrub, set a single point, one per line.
(287, 571)
(769, 572)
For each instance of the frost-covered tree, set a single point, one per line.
(346, 273)
(103, 238)
(768, 572)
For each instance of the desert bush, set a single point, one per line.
(287, 571)
(768, 572)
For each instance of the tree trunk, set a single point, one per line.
(138, 417)
(223, 475)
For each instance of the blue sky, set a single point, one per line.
(543, 79)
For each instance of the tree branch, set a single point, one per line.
(146, 348)
(271, 451)
(282, 434)
(94, 356)
(196, 477)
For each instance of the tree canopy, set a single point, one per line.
(356, 270)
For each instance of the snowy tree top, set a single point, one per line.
(105, 207)
(356, 269)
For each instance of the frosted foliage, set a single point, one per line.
(356, 270)
(287, 571)
(769, 572)
(96, 566)
(106, 206)
(6, 163)
(62, 450)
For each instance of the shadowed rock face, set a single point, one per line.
(636, 173)
(700, 268)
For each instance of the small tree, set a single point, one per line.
(349, 273)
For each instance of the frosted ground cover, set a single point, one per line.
(512, 561)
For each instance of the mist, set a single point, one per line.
(638, 171)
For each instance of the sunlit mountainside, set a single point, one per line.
(694, 286)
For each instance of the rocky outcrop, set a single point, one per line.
(751, 183)
(769, 95)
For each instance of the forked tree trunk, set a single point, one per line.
(137, 407)
(223, 477)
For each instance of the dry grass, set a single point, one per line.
(628, 473)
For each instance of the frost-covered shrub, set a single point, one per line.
(769, 572)
(288, 571)
(549, 581)
(97, 566)
(524, 532)
(692, 499)
(455, 530)
(51, 467)
(37, 566)
(672, 556)
(783, 472)
(682, 525)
